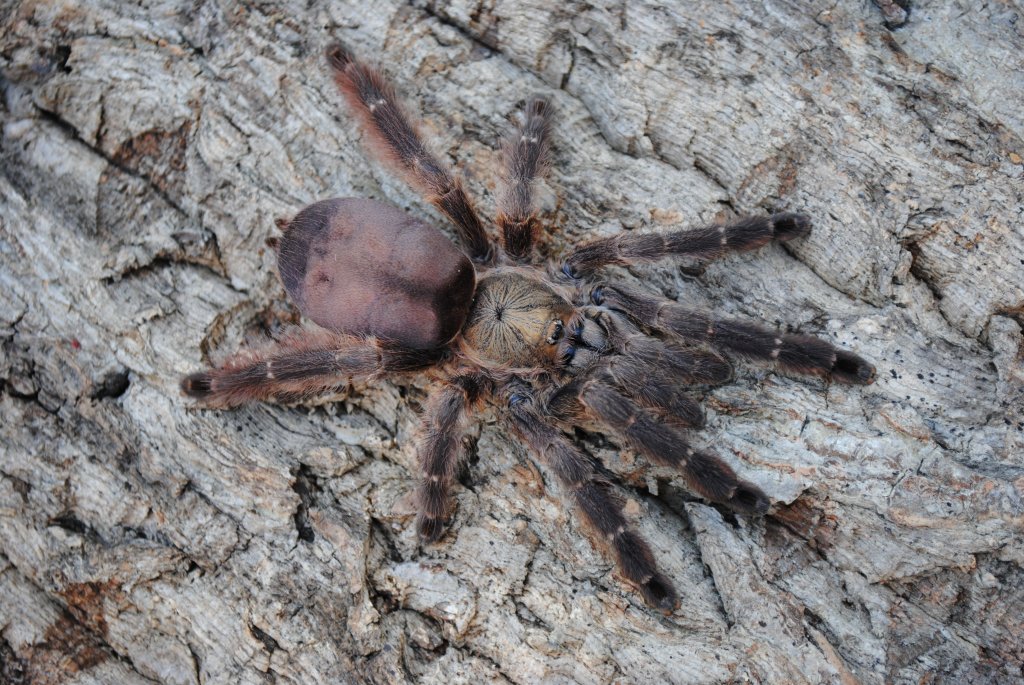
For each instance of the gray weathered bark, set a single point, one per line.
(146, 151)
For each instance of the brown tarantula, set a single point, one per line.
(392, 294)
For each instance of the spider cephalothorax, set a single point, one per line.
(555, 346)
(516, 320)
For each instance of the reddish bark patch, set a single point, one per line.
(66, 649)
(809, 522)
(85, 602)
(159, 156)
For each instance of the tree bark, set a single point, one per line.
(146, 152)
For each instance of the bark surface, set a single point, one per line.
(145, 154)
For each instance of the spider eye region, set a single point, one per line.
(555, 331)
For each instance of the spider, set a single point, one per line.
(551, 344)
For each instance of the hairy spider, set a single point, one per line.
(553, 343)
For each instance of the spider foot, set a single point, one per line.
(788, 225)
(748, 499)
(849, 368)
(430, 529)
(637, 566)
(338, 56)
(536, 106)
(658, 592)
(198, 385)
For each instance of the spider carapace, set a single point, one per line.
(551, 343)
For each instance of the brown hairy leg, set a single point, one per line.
(525, 153)
(440, 448)
(373, 100)
(708, 242)
(707, 475)
(592, 493)
(654, 372)
(302, 364)
(796, 353)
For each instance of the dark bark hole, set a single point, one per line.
(269, 643)
(63, 54)
(305, 487)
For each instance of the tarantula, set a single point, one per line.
(554, 344)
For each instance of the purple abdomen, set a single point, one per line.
(366, 268)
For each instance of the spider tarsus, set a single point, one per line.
(789, 225)
(849, 368)
(537, 106)
(198, 385)
(429, 529)
(748, 499)
(338, 56)
(659, 593)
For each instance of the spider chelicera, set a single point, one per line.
(551, 342)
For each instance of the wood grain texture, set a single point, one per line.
(145, 154)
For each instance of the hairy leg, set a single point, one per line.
(301, 365)
(440, 448)
(593, 494)
(708, 242)
(707, 475)
(797, 353)
(655, 389)
(636, 349)
(647, 369)
(525, 153)
(374, 101)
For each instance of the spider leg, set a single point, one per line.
(525, 153)
(440, 448)
(708, 242)
(373, 100)
(595, 397)
(643, 353)
(301, 365)
(651, 371)
(797, 353)
(657, 390)
(593, 494)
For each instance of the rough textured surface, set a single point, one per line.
(145, 154)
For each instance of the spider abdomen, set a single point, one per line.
(366, 268)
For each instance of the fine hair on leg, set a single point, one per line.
(440, 448)
(373, 99)
(302, 364)
(803, 354)
(594, 496)
(706, 474)
(525, 156)
(708, 242)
